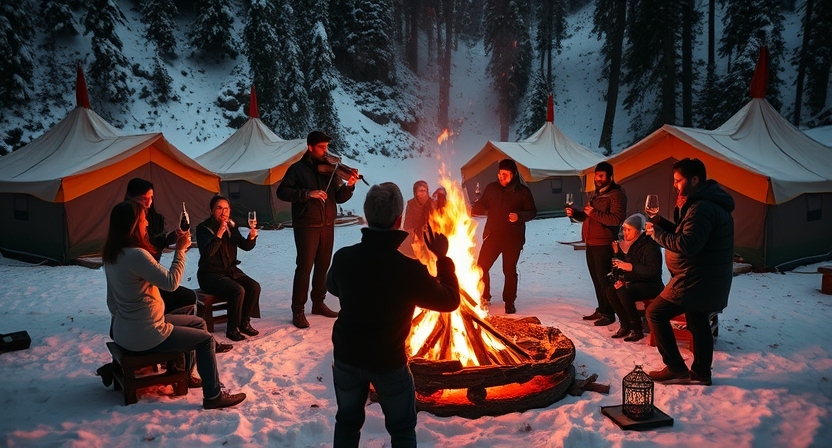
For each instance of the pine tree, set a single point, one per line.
(551, 30)
(369, 42)
(508, 41)
(17, 60)
(535, 107)
(161, 83)
(322, 82)
(820, 63)
(609, 23)
(110, 71)
(57, 20)
(211, 33)
(750, 24)
(158, 16)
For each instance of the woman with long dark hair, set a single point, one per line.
(138, 320)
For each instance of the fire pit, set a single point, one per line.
(468, 364)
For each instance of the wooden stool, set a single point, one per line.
(127, 365)
(826, 280)
(207, 305)
(679, 325)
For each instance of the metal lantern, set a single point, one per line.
(637, 388)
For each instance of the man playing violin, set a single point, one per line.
(314, 187)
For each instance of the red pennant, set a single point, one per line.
(550, 110)
(82, 99)
(759, 82)
(252, 108)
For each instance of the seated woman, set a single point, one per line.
(138, 320)
(637, 275)
(218, 238)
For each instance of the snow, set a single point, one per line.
(772, 364)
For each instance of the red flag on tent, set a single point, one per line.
(81, 97)
(550, 110)
(252, 107)
(759, 83)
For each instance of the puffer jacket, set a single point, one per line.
(699, 249)
(646, 258)
(303, 177)
(609, 211)
(497, 202)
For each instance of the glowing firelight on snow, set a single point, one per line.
(457, 335)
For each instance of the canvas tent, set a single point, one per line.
(56, 193)
(780, 179)
(549, 162)
(251, 163)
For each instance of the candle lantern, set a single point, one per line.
(637, 388)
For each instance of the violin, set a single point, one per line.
(332, 165)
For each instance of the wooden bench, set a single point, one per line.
(826, 280)
(679, 325)
(211, 309)
(133, 371)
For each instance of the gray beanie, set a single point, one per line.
(636, 221)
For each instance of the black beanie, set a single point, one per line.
(315, 137)
(508, 165)
(605, 167)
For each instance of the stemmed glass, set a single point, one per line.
(570, 199)
(252, 220)
(651, 205)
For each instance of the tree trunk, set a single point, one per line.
(411, 47)
(687, 62)
(445, 69)
(802, 62)
(617, 49)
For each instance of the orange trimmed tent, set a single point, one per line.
(780, 178)
(56, 193)
(251, 163)
(549, 162)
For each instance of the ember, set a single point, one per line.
(465, 363)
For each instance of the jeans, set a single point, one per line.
(243, 294)
(491, 248)
(189, 335)
(397, 397)
(599, 262)
(659, 314)
(623, 301)
(314, 248)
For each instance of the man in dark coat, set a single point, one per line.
(508, 204)
(218, 238)
(314, 188)
(699, 252)
(601, 219)
(379, 288)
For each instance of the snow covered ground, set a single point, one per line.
(772, 366)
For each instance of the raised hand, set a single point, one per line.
(436, 242)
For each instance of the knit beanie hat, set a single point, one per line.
(605, 167)
(419, 183)
(636, 221)
(508, 165)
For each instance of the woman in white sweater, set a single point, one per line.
(139, 323)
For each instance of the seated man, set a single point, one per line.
(218, 238)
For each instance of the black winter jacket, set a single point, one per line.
(699, 249)
(646, 258)
(218, 256)
(379, 289)
(497, 202)
(303, 177)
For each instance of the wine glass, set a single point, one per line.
(651, 205)
(570, 199)
(252, 220)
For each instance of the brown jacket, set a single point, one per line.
(609, 211)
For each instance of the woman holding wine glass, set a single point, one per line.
(218, 238)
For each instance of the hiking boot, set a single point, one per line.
(223, 400)
(604, 321)
(668, 376)
(622, 331)
(510, 309)
(247, 329)
(703, 380)
(594, 316)
(323, 310)
(235, 335)
(222, 348)
(194, 382)
(635, 335)
(299, 319)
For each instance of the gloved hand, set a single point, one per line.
(436, 243)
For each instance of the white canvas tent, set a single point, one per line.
(251, 164)
(780, 178)
(56, 193)
(549, 162)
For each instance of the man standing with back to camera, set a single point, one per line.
(314, 189)
(601, 219)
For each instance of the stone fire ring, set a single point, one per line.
(446, 388)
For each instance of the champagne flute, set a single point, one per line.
(252, 219)
(651, 205)
(184, 219)
(570, 199)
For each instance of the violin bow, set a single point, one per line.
(337, 164)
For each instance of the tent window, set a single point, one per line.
(813, 206)
(233, 190)
(557, 185)
(21, 208)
